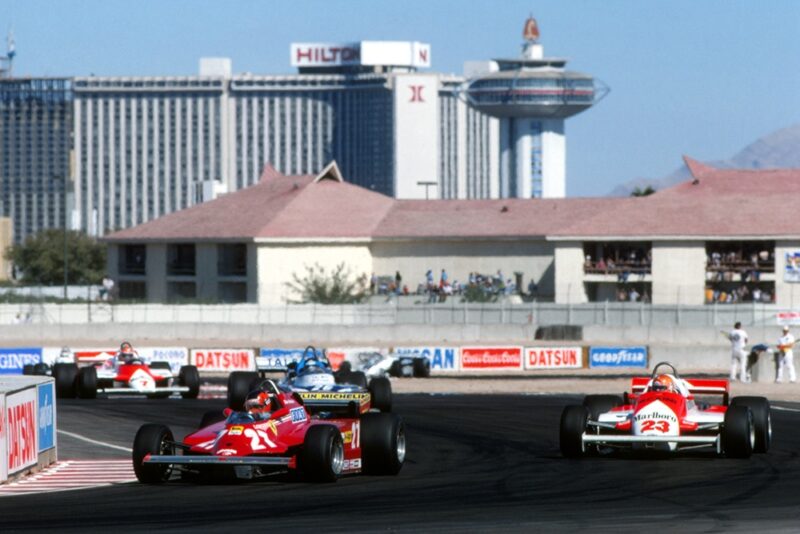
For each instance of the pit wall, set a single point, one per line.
(28, 440)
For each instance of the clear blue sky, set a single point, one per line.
(703, 78)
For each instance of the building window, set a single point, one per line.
(232, 259)
(132, 290)
(180, 291)
(181, 259)
(132, 259)
(232, 292)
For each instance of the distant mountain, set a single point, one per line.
(778, 150)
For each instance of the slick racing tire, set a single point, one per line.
(211, 417)
(152, 439)
(357, 378)
(738, 434)
(422, 367)
(189, 377)
(598, 404)
(27, 369)
(40, 369)
(573, 425)
(762, 420)
(380, 390)
(383, 443)
(240, 383)
(322, 456)
(66, 379)
(396, 369)
(87, 383)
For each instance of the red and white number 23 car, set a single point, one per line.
(663, 412)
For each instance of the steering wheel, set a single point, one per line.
(655, 372)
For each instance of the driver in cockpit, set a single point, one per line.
(126, 354)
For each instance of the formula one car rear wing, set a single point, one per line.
(696, 386)
(334, 401)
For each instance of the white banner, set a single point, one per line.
(553, 358)
(224, 359)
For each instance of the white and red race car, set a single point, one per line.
(663, 413)
(115, 375)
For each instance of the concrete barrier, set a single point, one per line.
(27, 425)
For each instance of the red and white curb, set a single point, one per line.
(72, 475)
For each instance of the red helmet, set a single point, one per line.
(258, 403)
(663, 383)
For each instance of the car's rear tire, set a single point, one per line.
(383, 443)
(762, 420)
(189, 377)
(322, 456)
(240, 383)
(357, 378)
(27, 369)
(422, 367)
(396, 369)
(157, 440)
(380, 390)
(211, 417)
(597, 404)
(573, 425)
(738, 432)
(87, 383)
(66, 378)
(40, 369)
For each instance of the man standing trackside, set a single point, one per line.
(738, 339)
(786, 356)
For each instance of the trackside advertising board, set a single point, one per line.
(20, 413)
(491, 358)
(271, 359)
(553, 358)
(224, 359)
(46, 407)
(3, 440)
(441, 358)
(12, 360)
(176, 356)
(618, 357)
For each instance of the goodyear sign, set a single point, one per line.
(618, 357)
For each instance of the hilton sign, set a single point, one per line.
(368, 53)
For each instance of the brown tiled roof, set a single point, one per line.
(716, 202)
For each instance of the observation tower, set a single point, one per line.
(532, 95)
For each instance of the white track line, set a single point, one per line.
(782, 409)
(95, 442)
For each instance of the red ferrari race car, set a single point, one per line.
(124, 374)
(662, 413)
(274, 433)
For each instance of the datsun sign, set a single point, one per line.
(47, 416)
(441, 358)
(491, 358)
(618, 357)
(12, 360)
(3, 440)
(21, 430)
(224, 359)
(553, 358)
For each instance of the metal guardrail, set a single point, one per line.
(397, 312)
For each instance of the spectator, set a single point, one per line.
(786, 356)
(588, 263)
(756, 294)
(633, 295)
(398, 281)
(738, 339)
(373, 283)
(532, 288)
(443, 279)
(106, 292)
(601, 265)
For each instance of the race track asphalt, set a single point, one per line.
(475, 464)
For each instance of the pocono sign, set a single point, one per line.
(491, 358)
(224, 359)
(553, 358)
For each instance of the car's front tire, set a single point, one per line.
(156, 440)
(87, 383)
(762, 420)
(380, 390)
(322, 456)
(572, 427)
(66, 378)
(189, 377)
(738, 432)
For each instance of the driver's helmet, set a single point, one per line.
(258, 403)
(126, 352)
(310, 366)
(663, 383)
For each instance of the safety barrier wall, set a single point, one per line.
(28, 440)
